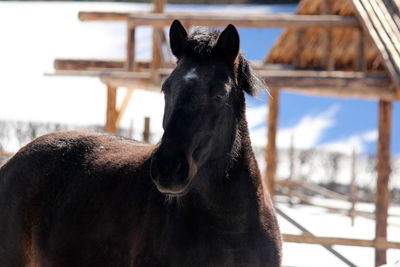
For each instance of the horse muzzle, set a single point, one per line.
(172, 174)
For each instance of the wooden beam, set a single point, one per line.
(112, 114)
(103, 73)
(322, 83)
(104, 16)
(99, 65)
(131, 83)
(248, 21)
(87, 64)
(6, 154)
(270, 153)
(336, 83)
(382, 185)
(124, 105)
(221, 20)
(313, 188)
(309, 239)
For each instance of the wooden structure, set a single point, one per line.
(341, 48)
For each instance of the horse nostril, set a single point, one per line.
(181, 168)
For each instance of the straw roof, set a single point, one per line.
(309, 48)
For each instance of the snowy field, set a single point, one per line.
(34, 34)
(321, 223)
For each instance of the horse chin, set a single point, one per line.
(175, 192)
(183, 189)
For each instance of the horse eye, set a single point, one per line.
(219, 98)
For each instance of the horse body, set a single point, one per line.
(82, 199)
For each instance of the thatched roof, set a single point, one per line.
(309, 48)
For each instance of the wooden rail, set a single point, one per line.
(327, 83)
(314, 188)
(88, 64)
(332, 83)
(6, 154)
(221, 20)
(309, 239)
(306, 232)
(248, 21)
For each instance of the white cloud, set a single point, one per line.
(306, 133)
(256, 116)
(370, 136)
(355, 142)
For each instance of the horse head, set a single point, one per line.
(204, 102)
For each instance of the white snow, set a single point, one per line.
(321, 223)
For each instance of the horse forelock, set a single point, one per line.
(201, 42)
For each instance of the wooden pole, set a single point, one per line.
(130, 48)
(361, 61)
(353, 187)
(112, 114)
(382, 187)
(299, 47)
(329, 57)
(124, 106)
(146, 130)
(273, 107)
(291, 168)
(158, 7)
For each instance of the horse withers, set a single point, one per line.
(78, 199)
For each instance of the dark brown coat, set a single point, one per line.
(80, 199)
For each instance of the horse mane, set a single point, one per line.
(199, 46)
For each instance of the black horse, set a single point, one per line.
(80, 199)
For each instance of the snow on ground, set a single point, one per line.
(321, 223)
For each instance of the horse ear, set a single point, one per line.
(247, 78)
(228, 43)
(177, 38)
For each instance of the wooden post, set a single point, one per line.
(158, 7)
(299, 48)
(382, 195)
(291, 168)
(124, 106)
(353, 187)
(146, 130)
(273, 110)
(329, 57)
(130, 48)
(361, 61)
(112, 114)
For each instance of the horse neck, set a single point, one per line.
(232, 183)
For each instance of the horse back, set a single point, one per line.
(63, 195)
